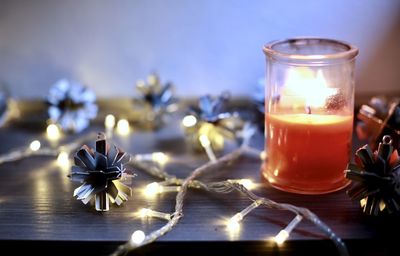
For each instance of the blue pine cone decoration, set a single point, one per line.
(71, 105)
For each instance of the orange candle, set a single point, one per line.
(307, 153)
(309, 107)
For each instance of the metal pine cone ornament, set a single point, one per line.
(378, 118)
(158, 98)
(377, 178)
(71, 105)
(212, 110)
(100, 170)
(213, 120)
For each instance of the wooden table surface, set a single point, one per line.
(39, 214)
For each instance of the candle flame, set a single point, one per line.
(313, 88)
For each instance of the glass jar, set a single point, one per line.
(309, 107)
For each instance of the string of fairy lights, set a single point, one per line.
(172, 184)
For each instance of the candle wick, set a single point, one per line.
(308, 110)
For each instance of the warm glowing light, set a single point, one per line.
(189, 121)
(109, 122)
(206, 144)
(204, 141)
(159, 157)
(263, 154)
(123, 127)
(53, 132)
(233, 224)
(382, 205)
(312, 88)
(137, 237)
(35, 145)
(63, 159)
(154, 188)
(281, 237)
(145, 213)
(247, 183)
(140, 83)
(363, 202)
(213, 134)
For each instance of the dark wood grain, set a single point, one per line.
(38, 212)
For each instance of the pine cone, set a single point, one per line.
(377, 177)
(159, 97)
(71, 105)
(214, 121)
(378, 118)
(100, 170)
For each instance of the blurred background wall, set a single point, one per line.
(201, 46)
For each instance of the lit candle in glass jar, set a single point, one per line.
(309, 114)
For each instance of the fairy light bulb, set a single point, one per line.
(152, 189)
(204, 141)
(233, 224)
(247, 183)
(123, 127)
(63, 159)
(159, 157)
(206, 144)
(155, 188)
(35, 145)
(137, 237)
(53, 132)
(109, 122)
(146, 213)
(283, 235)
(189, 121)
